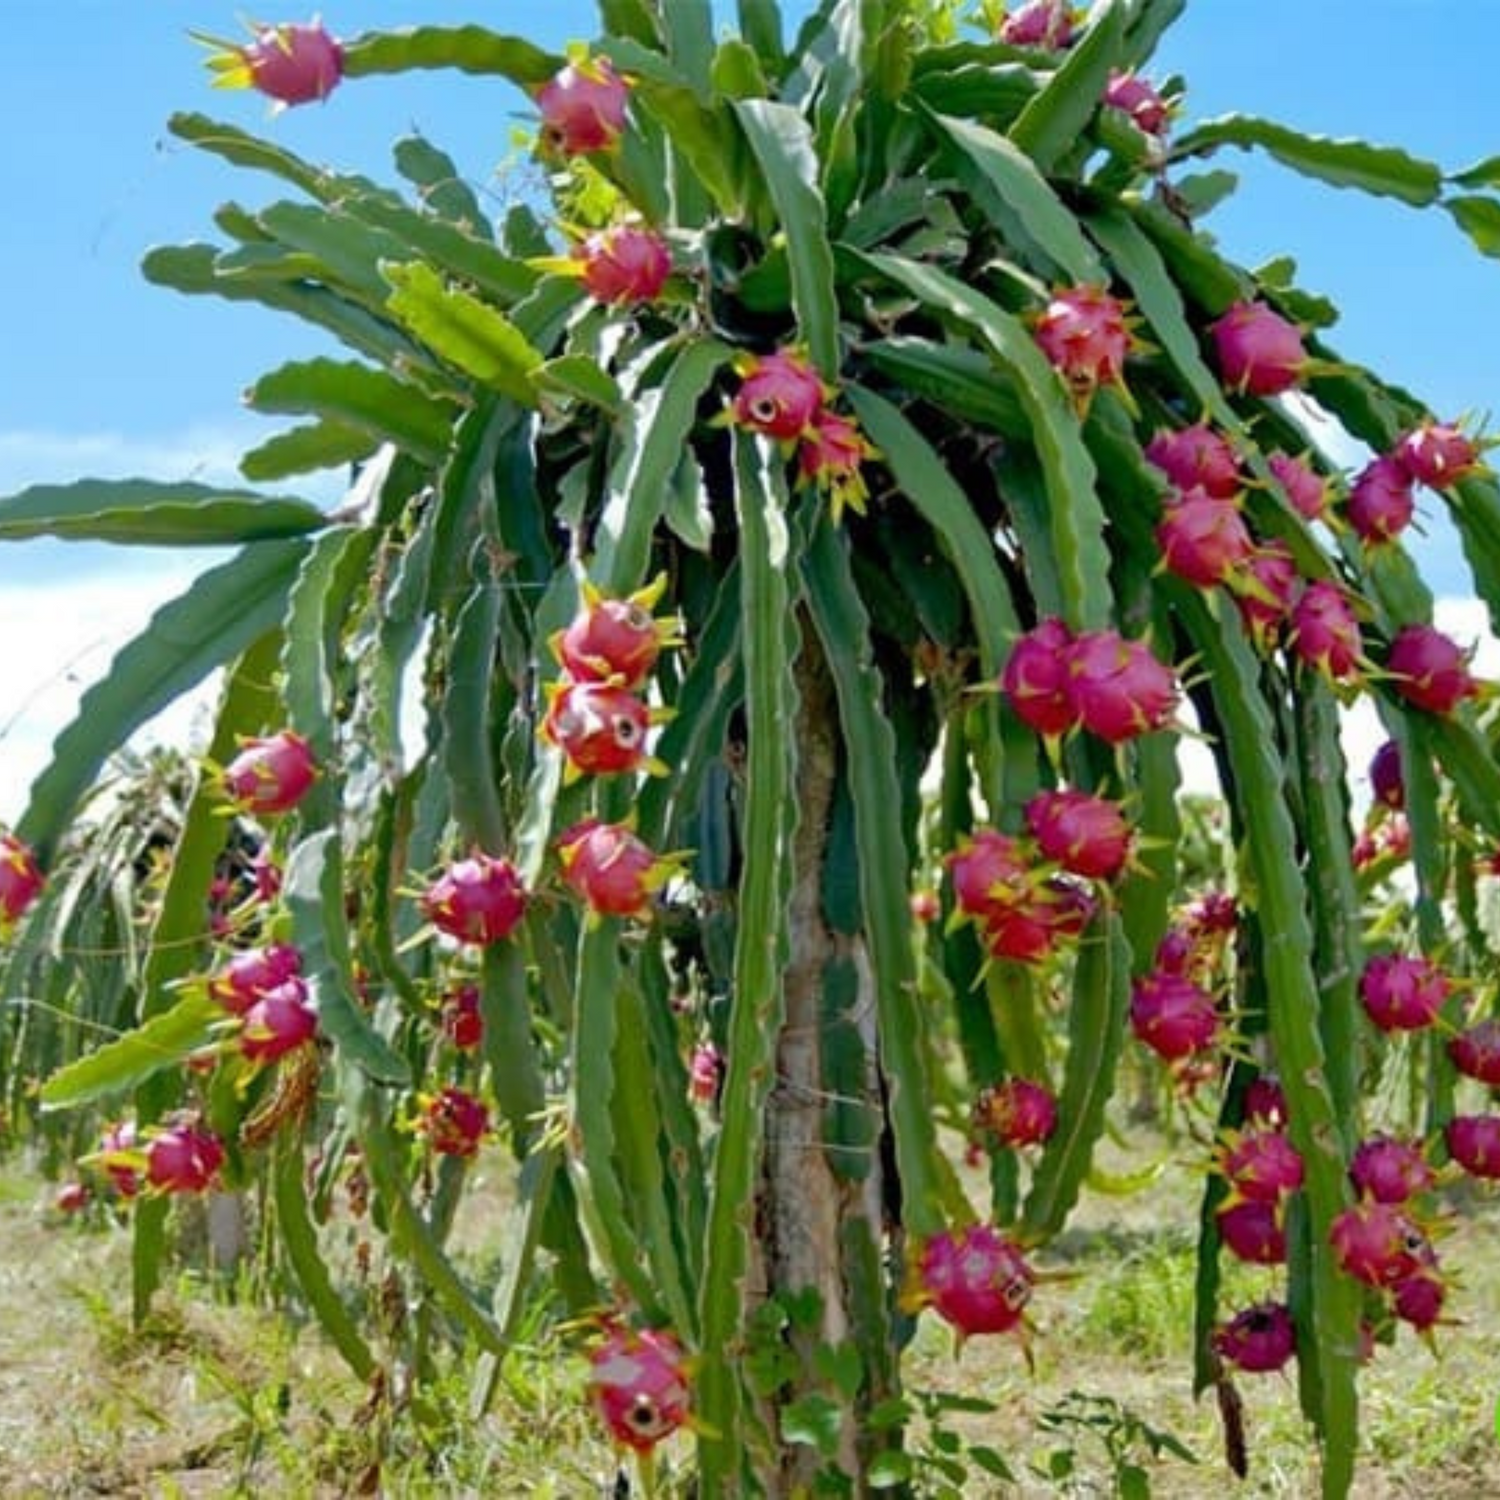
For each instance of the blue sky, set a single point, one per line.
(103, 373)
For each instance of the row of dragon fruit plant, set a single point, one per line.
(869, 414)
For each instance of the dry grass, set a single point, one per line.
(219, 1398)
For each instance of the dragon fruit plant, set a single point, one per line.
(862, 473)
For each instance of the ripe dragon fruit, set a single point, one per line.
(600, 727)
(1253, 1231)
(1258, 1340)
(277, 1022)
(1260, 353)
(289, 63)
(249, 973)
(1118, 689)
(831, 455)
(1437, 454)
(1265, 1101)
(1086, 835)
(638, 1384)
(1017, 1112)
(1378, 1244)
(1390, 1170)
(1476, 1052)
(477, 900)
(1172, 1015)
(780, 395)
(1402, 993)
(974, 1278)
(454, 1122)
(1261, 1165)
(121, 1157)
(1304, 486)
(1386, 781)
(1134, 97)
(1474, 1143)
(1039, 23)
(990, 872)
(583, 107)
(1035, 678)
(1430, 670)
(1418, 1299)
(1197, 457)
(616, 641)
(271, 774)
(1266, 592)
(624, 265)
(183, 1158)
(1325, 633)
(1381, 503)
(1086, 336)
(21, 879)
(462, 1022)
(612, 868)
(1203, 540)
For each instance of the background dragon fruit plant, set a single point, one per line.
(853, 474)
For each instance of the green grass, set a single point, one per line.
(218, 1397)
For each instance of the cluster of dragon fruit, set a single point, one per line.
(1030, 893)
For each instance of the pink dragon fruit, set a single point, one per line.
(831, 456)
(1265, 1101)
(183, 1159)
(1266, 592)
(1118, 689)
(1474, 1143)
(1039, 23)
(1260, 353)
(121, 1157)
(290, 63)
(705, 1070)
(1386, 780)
(1325, 633)
(1197, 457)
(1390, 1170)
(1086, 336)
(583, 107)
(1378, 1244)
(1381, 503)
(1418, 1299)
(600, 727)
(1203, 540)
(638, 1383)
(624, 265)
(1172, 1015)
(974, 1278)
(21, 878)
(71, 1197)
(477, 900)
(249, 973)
(270, 775)
(1017, 1112)
(1437, 454)
(462, 1021)
(612, 868)
(1430, 670)
(1261, 1165)
(616, 641)
(1035, 680)
(1304, 486)
(1402, 993)
(1476, 1052)
(454, 1122)
(1258, 1340)
(780, 395)
(1139, 100)
(1252, 1231)
(1086, 835)
(277, 1022)
(990, 872)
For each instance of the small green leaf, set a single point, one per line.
(1385, 170)
(887, 1470)
(301, 450)
(815, 1420)
(580, 378)
(1479, 218)
(121, 1064)
(466, 332)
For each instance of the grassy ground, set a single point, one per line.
(219, 1398)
